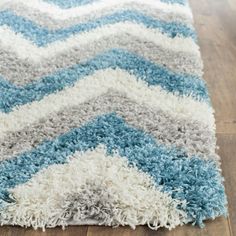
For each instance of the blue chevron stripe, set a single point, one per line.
(42, 36)
(69, 3)
(198, 181)
(11, 95)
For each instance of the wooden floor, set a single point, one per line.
(215, 21)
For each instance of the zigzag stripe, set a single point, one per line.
(151, 73)
(45, 20)
(192, 136)
(63, 14)
(74, 3)
(26, 50)
(42, 36)
(70, 3)
(98, 84)
(23, 71)
(156, 160)
(92, 172)
(90, 175)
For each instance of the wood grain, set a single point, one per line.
(227, 151)
(215, 22)
(18, 231)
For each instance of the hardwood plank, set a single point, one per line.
(214, 22)
(227, 143)
(18, 231)
(108, 231)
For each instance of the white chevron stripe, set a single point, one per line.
(146, 8)
(63, 14)
(99, 83)
(27, 50)
(24, 71)
(86, 178)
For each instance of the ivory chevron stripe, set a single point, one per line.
(96, 85)
(105, 117)
(143, 195)
(24, 71)
(58, 13)
(162, 126)
(116, 58)
(47, 21)
(25, 49)
(42, 36)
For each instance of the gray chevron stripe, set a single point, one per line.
(45, 20)
(22, 71)
(189, 135)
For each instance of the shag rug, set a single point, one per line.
(104, 116)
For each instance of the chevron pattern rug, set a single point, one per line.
(104, 116)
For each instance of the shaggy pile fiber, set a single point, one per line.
(104, 116)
